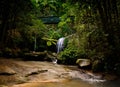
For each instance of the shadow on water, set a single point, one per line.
(115, 83)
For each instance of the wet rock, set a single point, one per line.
(35, 56)
(83, 62)
(35, 72)
(3, 86)
(5, 70)
(11, 79)
(51, 56)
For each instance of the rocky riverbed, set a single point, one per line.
(19, 73)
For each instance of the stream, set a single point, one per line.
(19, 73)
(73, 83)
(80, 83)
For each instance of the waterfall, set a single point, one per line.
(54, 60)
(60, 44)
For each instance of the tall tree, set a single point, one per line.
(9, 15)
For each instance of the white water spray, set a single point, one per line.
(60, 44)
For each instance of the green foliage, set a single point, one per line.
(64, 20)
(50, 41)
(52, 33)
(47, 7)
(15, 38)
(117, 68)
(33, 29)
(98, 45)
(12, 52)
(65, 27)
(99, 49)
(97, 66)
(95, 26)
(51, 36)
(37, 27)
(10, 16)
(69, 55)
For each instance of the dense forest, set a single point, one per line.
(92, 28)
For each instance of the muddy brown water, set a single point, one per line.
(47, 74)
(72, 83)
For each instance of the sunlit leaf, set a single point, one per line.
(49, 43)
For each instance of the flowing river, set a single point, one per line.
(80, 83)
(18, 73)
(74, 83)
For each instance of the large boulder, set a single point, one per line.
(83, 62)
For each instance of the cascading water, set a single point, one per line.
(60, 44)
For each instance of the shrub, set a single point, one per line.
(117, 68)
(69, 55)
(97, 66)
